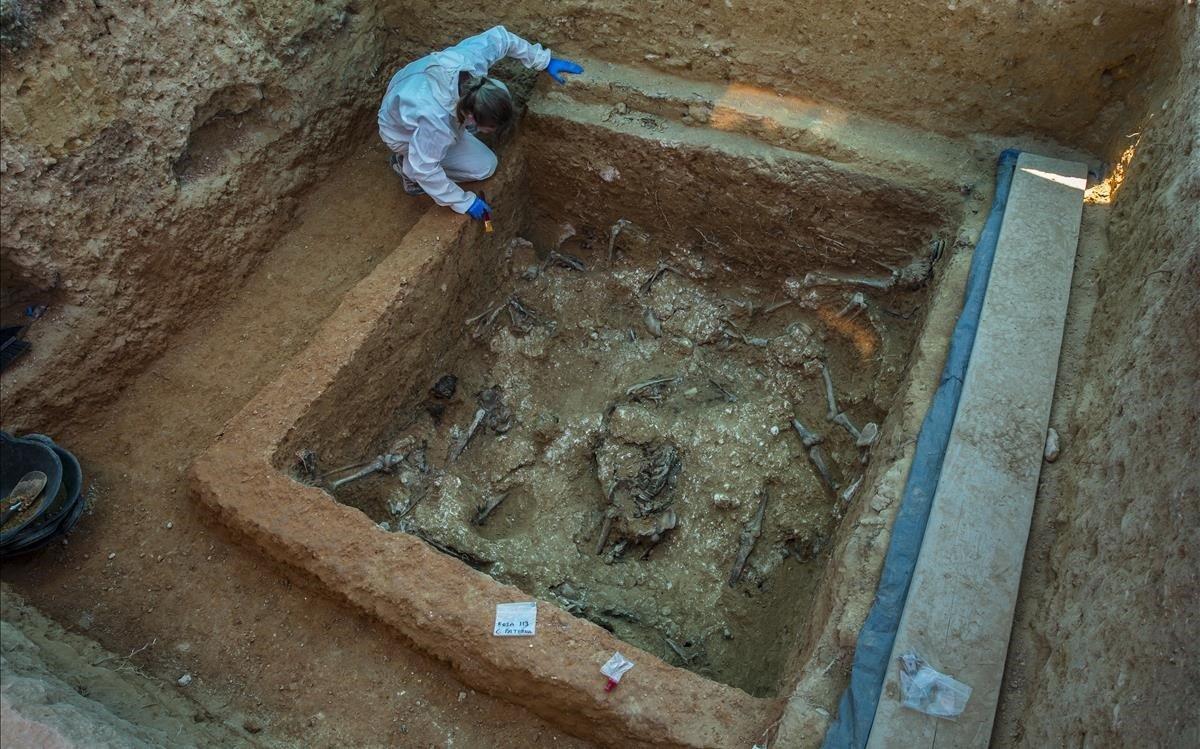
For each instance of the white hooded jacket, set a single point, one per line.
(417, 116)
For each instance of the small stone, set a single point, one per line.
(1053, 448)
(723, 501)
(112, 555)
(184, 680)
(698, 113)
(170, 525)
(251, 725)
(726, 633)
(621, 108)
(687, 120)
(682, 344)
(774, 431)
(610, 174)
(462, 696)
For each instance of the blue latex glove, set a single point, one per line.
(478, 208)
(557, 67)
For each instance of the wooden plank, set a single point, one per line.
(958, 615)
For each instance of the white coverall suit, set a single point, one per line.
(417, 118)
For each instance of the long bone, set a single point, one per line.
(812, 441)
(383, 464)
(857, 303)
(830, 401)
(819, 278)
(864, 437)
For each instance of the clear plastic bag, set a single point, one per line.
(614, 669)
(929, 691)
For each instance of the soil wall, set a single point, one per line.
(150, 152)
(1104, 650)
(1067, 71)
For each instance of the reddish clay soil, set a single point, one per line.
(147, 566)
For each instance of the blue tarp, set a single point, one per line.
(856, 710)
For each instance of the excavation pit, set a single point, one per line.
(620, 505)
(623, 455)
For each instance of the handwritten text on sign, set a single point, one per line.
(515, 619)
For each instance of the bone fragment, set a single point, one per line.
(750, 534)
(661, 270)
(819, 278)
(605, 530)
(808, 437)
(565, 232)
(848, 493)
(867, 435)
(565, 260)
(833, 411)
(652, 323)
(857, 303)
(651, 389)
(816, 456)
(384, 463)
(482, 514)
(812, 441)
(612, 237)
(457, 450)
(678, 650)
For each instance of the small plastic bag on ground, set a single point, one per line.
(616, 667)
(927, 690)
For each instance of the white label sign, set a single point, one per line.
(515, 619)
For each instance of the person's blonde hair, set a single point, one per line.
(487, 101)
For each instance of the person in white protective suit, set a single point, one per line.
(434, 105)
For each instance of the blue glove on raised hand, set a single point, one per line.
(557, 67)
(478, 209)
